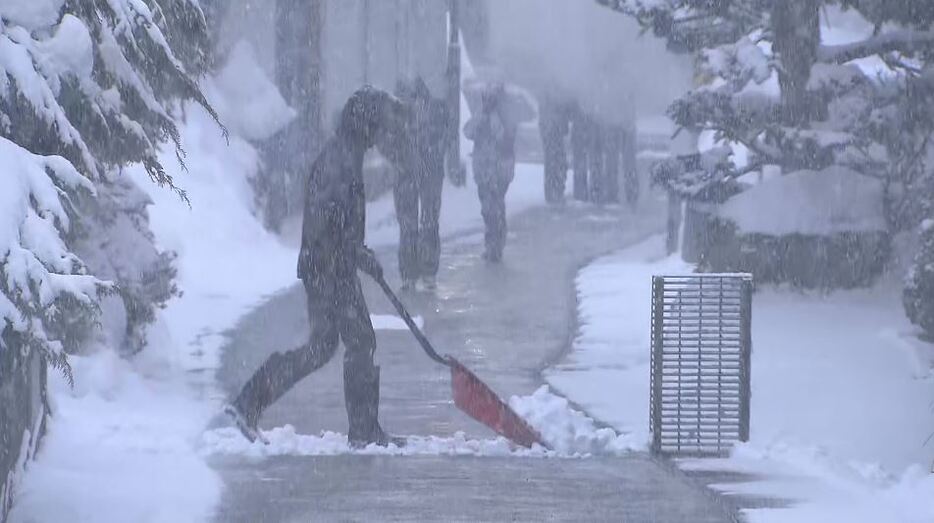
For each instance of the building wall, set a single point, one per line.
(22, 416)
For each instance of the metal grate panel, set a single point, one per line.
(701, 343)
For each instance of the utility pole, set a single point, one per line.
(456, 171)
(299, 64)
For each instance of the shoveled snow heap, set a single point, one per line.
(568, 432)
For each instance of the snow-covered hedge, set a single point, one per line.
(918, 295)
(812, 229)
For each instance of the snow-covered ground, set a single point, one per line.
(842, 391)
(126, 443)
(567, 432)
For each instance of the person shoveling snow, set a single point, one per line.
(332, 251)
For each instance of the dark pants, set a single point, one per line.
(556, 167)
(674, 222)
(492, 194)
(581, 138)
(597, 160)
(630, 174)
(418, 210)
(336, 314)
(612, 149)
(553, 128)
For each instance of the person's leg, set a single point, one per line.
(502, 229)
(630, 174)
(405, 196)
(489, 209)
(429, 239)
(612, 150)
(561, 165)
(494, 216)
(673, 241)
(597, 167)
(361, 376)
(579, 147)
(550, 133)
(282, 370)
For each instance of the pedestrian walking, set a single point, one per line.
(582, 130)
(417, 194)
(554, 125)
(493, 133)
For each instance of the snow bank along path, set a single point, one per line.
(841, 391)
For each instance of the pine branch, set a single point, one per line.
(903, 40)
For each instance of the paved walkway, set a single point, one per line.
(506, 323)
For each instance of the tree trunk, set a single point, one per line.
(796, 28)
(289, 155)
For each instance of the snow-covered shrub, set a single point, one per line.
(811, 229)
(116, 244)
(918, 295)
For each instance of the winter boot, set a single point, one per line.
(429, 283)
(361, 393)
(245, 423)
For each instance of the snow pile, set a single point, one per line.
(227, 261)
(841, 391)
(824, 488)
(32, 14)
(824, 202)
(569, 431)
(248, 102)
(607, 372)
(119, 449)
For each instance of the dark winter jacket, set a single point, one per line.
(494, 144)
(429, 125)
(335, 212)
(334, 220)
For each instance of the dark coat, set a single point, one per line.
(335, 213)
(334, 221)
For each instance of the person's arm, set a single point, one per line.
(368, 263)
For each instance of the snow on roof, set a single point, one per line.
(823, 202)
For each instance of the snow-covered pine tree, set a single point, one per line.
(86, 87)
(791, 100)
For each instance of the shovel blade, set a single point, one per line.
(479, 402)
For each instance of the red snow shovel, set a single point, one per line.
(471, 395)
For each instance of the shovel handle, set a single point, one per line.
(407, 318)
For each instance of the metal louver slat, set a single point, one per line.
(700, 368)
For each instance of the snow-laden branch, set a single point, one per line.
(905, 40)
(41, 279)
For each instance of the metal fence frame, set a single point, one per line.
(700, 363)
